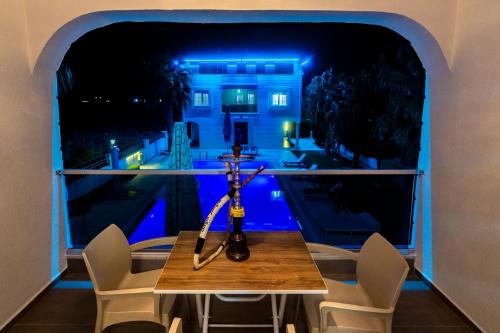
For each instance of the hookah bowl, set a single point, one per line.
(237, 244)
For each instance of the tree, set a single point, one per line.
(376, 113)
(166, 87)
(352, 122)
(321, 100)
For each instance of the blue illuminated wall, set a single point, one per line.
(266, 126)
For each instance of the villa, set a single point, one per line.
(263, 96)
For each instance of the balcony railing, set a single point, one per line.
(240, 108)
(341, 207)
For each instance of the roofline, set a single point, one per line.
(241, 59)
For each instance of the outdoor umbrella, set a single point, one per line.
(226, 130)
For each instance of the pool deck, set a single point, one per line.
(273, 156)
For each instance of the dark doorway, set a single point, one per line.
(193, 132)
(241, 133)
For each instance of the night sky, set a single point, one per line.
(108, 63)
(103, 61)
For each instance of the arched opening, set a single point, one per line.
(424, 43)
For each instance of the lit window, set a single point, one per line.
(279, 99)
(251, 98)
(201, 98)
(239, 97)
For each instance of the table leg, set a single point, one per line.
(188, 305)
(199, 310)
(206, 313)
(297, 308)
(275, 314)
(282, 308)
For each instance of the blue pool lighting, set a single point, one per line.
(265, 207)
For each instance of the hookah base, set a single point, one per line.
(237, 248)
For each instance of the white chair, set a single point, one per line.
(176, 326)
(367, 306)
(123, 296)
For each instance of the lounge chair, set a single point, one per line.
(299, 163)
(306, 177)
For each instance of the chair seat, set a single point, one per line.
(146, 279)
(136, 304)
(341, 322)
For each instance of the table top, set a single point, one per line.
(279, 263)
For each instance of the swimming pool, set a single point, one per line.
(265, 206)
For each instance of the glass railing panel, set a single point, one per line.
(333, 209)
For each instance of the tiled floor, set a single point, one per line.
(70, 308)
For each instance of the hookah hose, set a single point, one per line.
(208, 221)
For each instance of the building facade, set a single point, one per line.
(263, 96)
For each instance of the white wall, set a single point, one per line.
(465, 138)
(465, 169)
(30, 257)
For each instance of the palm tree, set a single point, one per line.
(166, 86)
(322, 98)
(376, 113)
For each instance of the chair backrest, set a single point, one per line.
(381, 270)
(108, 258)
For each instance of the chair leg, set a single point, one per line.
(98, 320)
(388, 325)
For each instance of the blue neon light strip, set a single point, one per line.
(242, 59)
(412, 285)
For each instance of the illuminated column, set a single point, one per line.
(115, 161)
(145, 143)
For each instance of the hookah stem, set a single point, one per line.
(230, 182)
(252, 176)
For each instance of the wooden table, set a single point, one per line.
(279, 263)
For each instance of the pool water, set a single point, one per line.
(265, 206)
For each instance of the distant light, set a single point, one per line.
(108, 101)
(112, 142)
(239, 91)
(176, 62)
(135, 100)
(84, 101)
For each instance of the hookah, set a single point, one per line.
(236, 241)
